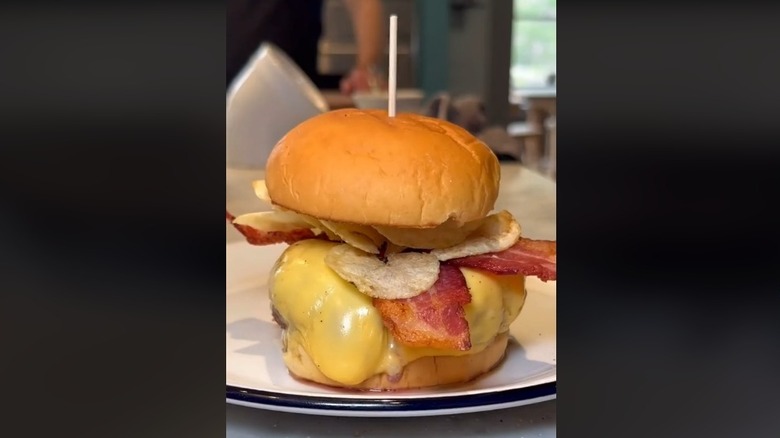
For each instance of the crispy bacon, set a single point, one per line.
(527, 257)
(257, 237)
(435, 318)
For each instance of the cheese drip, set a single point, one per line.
(343, 333)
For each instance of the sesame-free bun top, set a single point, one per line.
(364, 167)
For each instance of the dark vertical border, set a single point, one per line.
(667, 180)
(111, 176)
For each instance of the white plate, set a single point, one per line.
(257, 377)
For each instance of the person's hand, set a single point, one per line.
(360, 79)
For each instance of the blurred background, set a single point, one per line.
(488, 65)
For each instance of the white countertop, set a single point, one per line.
(531, 198)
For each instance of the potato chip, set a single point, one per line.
(496, 232)
(444, 236)
(272, 221)
(315, 224)
(449, 240)
(261, 191)
(405, 275)
(360, 236)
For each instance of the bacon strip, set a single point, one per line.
(527, 257)
(435, 318)
(257, 237)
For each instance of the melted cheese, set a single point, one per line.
(342, 331)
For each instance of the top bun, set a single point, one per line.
(363, 167)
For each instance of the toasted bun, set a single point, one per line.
(424, 372)
(363, 167)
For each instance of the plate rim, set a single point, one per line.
(264, 398)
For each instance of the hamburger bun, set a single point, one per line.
(363, 167)
(424, 372)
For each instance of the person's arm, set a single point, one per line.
(367, 23)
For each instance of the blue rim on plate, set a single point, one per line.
(389, 404)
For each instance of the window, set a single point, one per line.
(533, 43)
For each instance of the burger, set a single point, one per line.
(398, 272)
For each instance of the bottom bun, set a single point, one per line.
(424, 372)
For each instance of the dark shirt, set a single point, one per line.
(295, 26)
